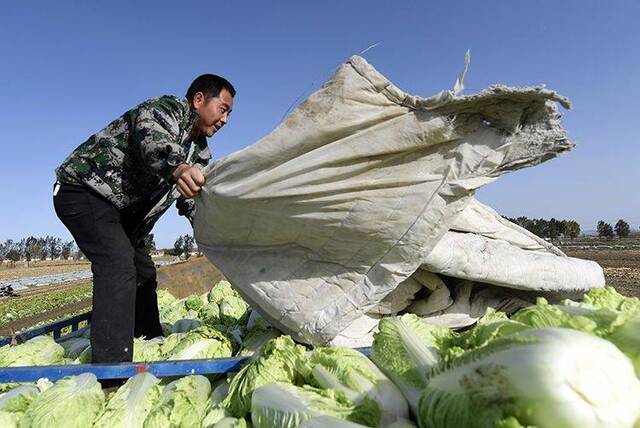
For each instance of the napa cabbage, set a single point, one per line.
(148, 350)
(182, 404)
(165, 298)
(209, 314)
(492, 325)
(287, 406)
(607, 314)
(405, 348)
(74, 401)
(609, 298)
(195, 302)
(221, 290)
(38, 351)
(353, 374)
(202, 342)
(129, 406)
(279, 360)
(547, 378)
(233, 310)
(14, 403)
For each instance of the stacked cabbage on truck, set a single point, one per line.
(573, 364)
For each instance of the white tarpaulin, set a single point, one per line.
(321, 219)
(508, 256)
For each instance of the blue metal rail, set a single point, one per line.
(122, 370)
(117, 370)
(55, 328)
(126, 370)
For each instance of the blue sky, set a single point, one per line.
(70, 67)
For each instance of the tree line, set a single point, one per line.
(569, 229)
(51, 247)
(38, 248)
(621, 229)
(550, 229)
(183, 245)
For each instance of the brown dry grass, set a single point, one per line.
(27, 269)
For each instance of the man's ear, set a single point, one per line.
(198, 100)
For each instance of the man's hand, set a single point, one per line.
(189, 180)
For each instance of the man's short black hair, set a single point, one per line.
(210, 85)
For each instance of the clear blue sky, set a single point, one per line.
(70, 67)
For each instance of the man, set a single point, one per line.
(113, 188)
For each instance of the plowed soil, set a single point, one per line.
(621, 267)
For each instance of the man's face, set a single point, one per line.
(214, 111)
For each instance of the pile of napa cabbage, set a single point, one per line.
(565, 365)
(213, 325)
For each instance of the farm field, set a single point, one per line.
(38, 305)
(621, 267)
(24, 269)
(41, 304)
(35, 306)
(37, 268)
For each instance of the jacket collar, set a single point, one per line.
(190, 117)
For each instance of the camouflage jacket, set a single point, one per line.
(130, 162)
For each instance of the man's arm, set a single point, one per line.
(157, 130)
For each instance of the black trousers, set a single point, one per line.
(125, 303)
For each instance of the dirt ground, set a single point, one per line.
(621, 267)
